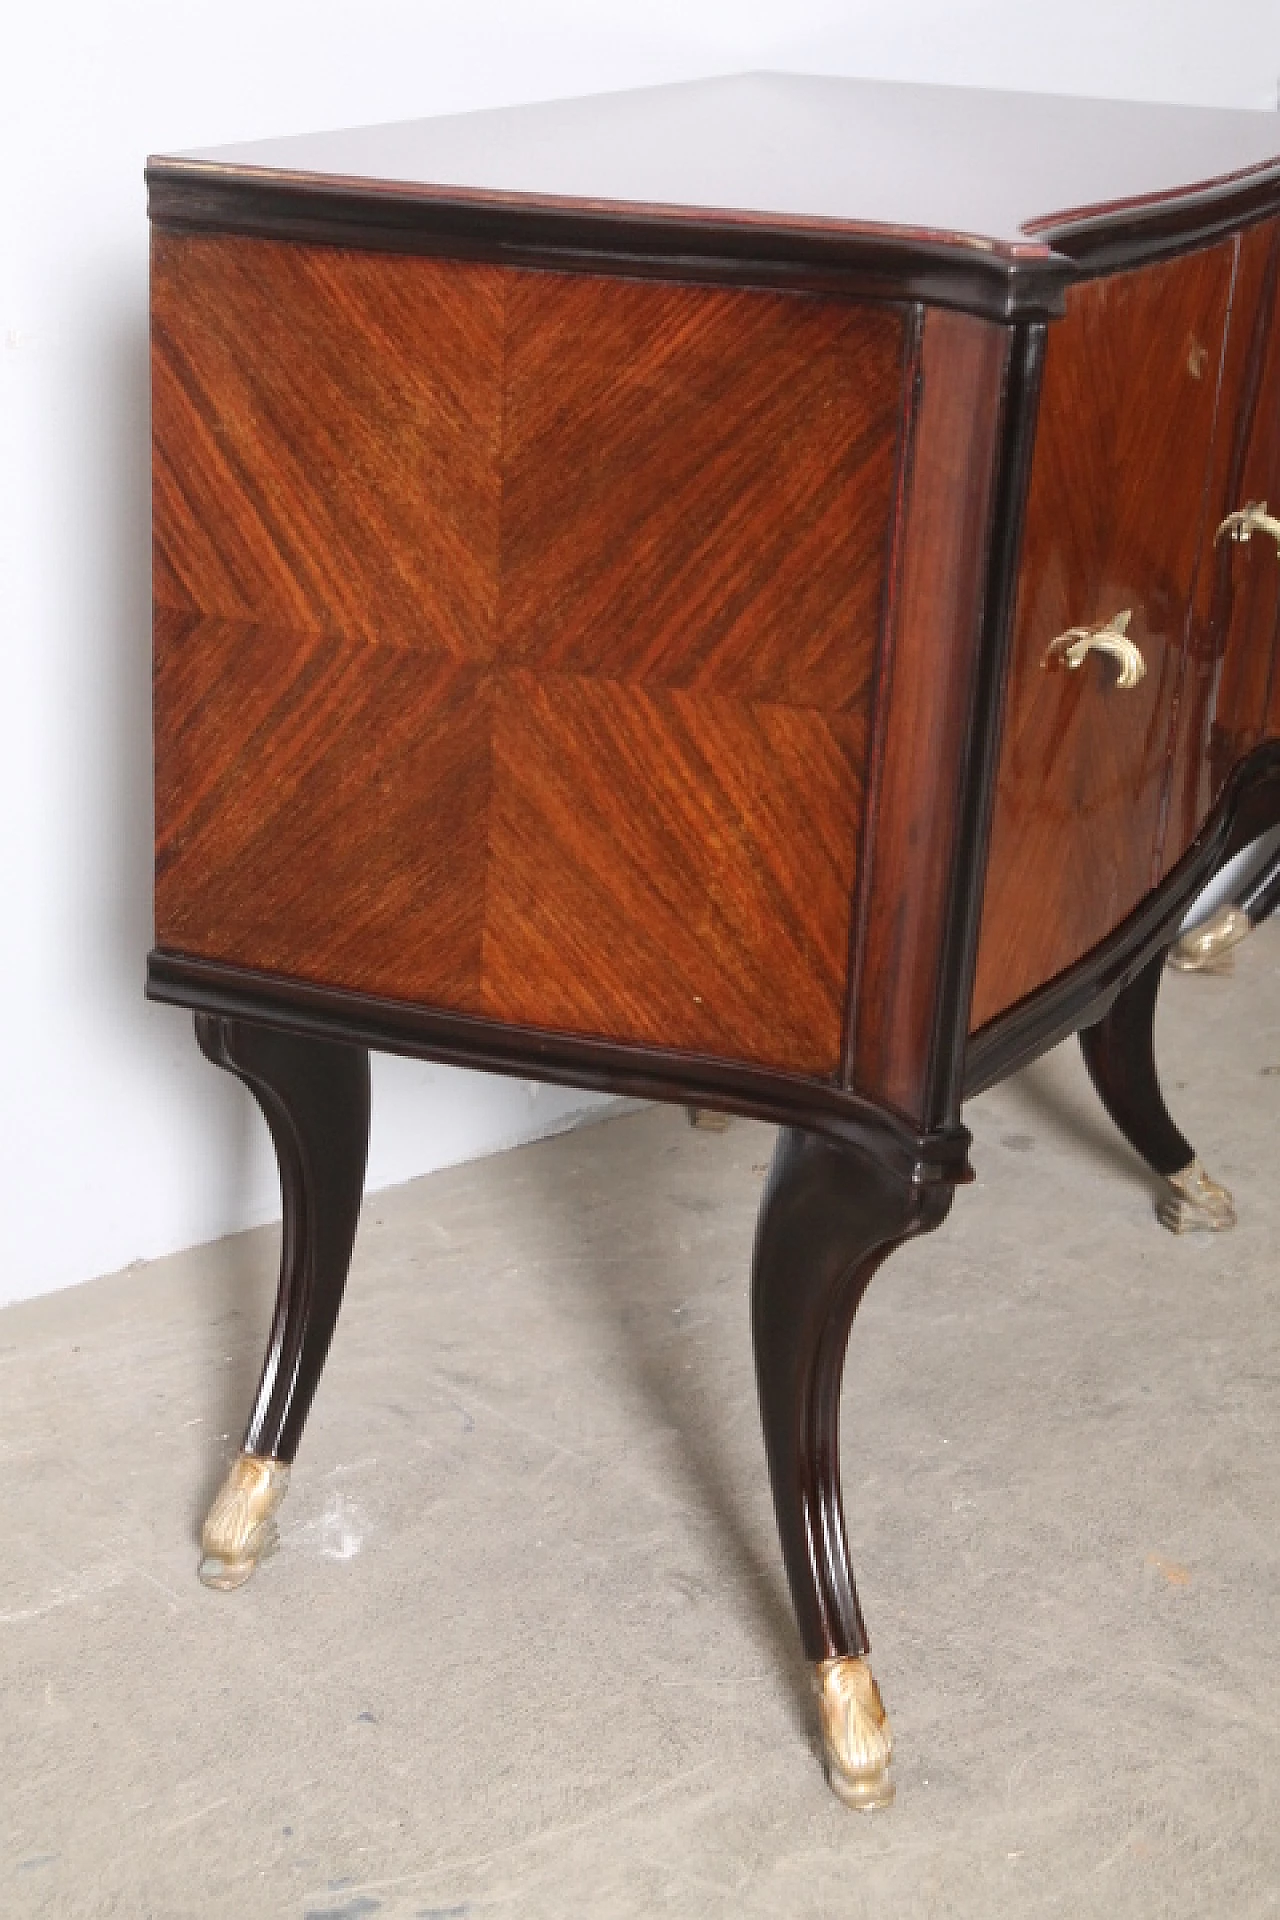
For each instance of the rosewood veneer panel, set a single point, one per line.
(320, 807)
(1116, 519)
(698, 486)
(672, 868)
(659, 562)
(326, 426)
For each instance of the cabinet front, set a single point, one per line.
(1115, 531)
(1229, 698)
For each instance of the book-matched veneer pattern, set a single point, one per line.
(512, 619)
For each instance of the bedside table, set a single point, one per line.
(757, 593)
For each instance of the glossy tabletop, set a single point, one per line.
(988, 170)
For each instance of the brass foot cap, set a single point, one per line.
(241, 1529)
(857, 1742)
(1193, 1200)
(708, 1119)
(1208, 947)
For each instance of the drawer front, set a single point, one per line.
(1115, 525)
(515, 635)
(1230, 700)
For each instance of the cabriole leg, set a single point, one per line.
(315, 1097)
(829, 1216)
(1120, 1055)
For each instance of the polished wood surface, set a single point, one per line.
(1248, 807)
(556, 645)
(829, 1218)
(1229, 663)
(973, 168)
(695, 488)
(923, 707)
(314, 1096)
(1116, 521)
(326, 426)
(1119, 1052)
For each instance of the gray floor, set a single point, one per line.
(526, 1650)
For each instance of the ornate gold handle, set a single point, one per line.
(1247, 521)
(1072, 648)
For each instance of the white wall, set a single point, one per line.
(118, 1141)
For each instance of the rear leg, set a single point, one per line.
(1120, 1055)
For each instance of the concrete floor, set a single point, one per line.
(526, 1648)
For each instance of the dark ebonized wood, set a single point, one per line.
(828, 1218)
(314, 1095)
(867, 266)
(236, 994)
(1119, 1051)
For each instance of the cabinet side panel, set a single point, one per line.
(1115, 525)
(925, 704)
(698, 493)
(515, 635)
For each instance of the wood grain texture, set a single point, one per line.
(671, 865)
(679, 514)
(1116, 520)
(924, 704)
(326, 430)
(572, 735)
(320, 807)
(1248, 807)
(1222, 705)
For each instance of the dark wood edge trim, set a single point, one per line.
(1020, 411)
(911, 389)
(869, 263)
(396, 1026)
(994, 282)
(1249, 805)
(1140, 233)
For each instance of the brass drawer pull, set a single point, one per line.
(1247, 521)
(1072, 648)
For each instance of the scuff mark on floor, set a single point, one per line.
(342, 1529)
(84, 1587)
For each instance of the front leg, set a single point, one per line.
(315, 1097)
(1120, 1055)
(829, 1216)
